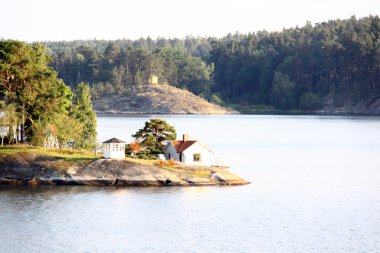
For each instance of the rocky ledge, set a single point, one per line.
(28, 168)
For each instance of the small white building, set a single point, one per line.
(188, 151)
(153, 79)
(114, 149)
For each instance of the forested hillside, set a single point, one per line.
(115, 66)
(335, 62)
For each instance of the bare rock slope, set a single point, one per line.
(157, 99)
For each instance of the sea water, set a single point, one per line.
(315, 187)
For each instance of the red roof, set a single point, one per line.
(181, 146)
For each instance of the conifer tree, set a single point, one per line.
(83, 112)
(153, 136)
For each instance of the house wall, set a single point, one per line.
(170, 149)
(114, 151)
(207, 156)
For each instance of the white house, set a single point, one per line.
(188, 151)
(114, 149)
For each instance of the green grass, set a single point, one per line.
(74, 155)
(141, 161)
(193, 172)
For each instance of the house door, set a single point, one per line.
(180, 157)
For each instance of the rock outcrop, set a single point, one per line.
(157, 99)
(27, 168)
(345, 105)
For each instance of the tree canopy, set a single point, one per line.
(82, 111)
(338, 57)
(153, 137)
(38, 103)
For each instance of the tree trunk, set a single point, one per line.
(10, 133)
(22, 134)
(17, 133)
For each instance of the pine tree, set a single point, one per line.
(153, 136)
(82, 111)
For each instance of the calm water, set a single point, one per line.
(315, 188)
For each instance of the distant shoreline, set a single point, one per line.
(128, 114)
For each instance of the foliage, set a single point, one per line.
(68, 130)
(135, 147)
(171, 161)
(335, 57)
(30, 85)
(215, 99)
(282, 92)
(83, 112)
(166, 164)
(162, 163)
(4, 122)
(8, 118)
(310, 102)
(44, 135)
(38, 107)
(120, 67)
(153, 136)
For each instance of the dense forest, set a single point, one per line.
(291, 69)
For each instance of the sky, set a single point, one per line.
(55, 20)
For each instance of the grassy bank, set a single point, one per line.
(64, 153)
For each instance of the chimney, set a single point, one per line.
(186, 137)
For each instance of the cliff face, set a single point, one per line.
(157, 99)
(28, 168)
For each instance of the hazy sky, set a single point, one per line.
(41, 20)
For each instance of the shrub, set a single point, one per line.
(171, 162)
(310, 101)
(215, 99)
(161, 163)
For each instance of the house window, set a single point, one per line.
(197, 157)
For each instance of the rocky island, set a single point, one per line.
(33, 168)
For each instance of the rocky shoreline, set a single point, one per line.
(32, 169)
